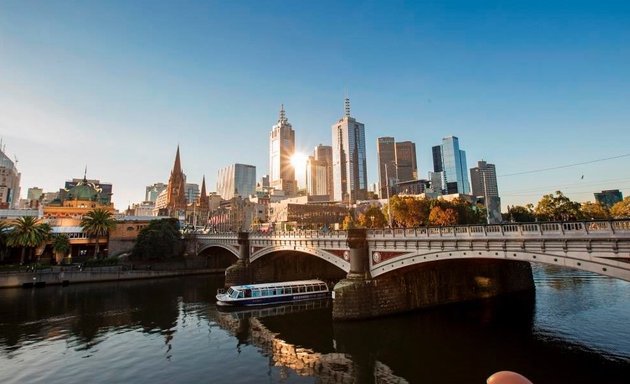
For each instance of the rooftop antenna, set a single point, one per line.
(347, 106)
(283, 116)
(85, 173)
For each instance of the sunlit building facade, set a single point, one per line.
(9, 182)
(451, 160)
(349, 159)
(236, 180)
(281, 150)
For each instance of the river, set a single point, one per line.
(574, 329)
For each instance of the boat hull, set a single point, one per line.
(270, 300)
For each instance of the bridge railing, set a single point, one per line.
(537, 230)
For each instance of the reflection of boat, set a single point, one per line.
(274, 310)
(273, 293)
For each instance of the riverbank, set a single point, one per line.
(66, 276)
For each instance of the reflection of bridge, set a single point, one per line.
(601, 247)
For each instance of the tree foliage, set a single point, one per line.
(348, 223)
(160, 240)
(97, 223)
(443, 216)
(28, 233)
(373, 217)
(621, 209)
(594, 211)
(520, 214)
(557, 207)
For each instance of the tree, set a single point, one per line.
(373, 217)
(621, 209)
(160, 239)
(557, 208)
(29, 233)
(97, 223)
(520, 214)
(348, 223)
(594, 211)
(5, 229)
(440, 216)
(61, 246)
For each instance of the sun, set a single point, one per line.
(298, 160)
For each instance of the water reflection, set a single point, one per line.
(574, 330)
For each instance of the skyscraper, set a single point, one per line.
(319, 172)
(451, 160)
(281, 149)
(386, 153)
(484, 183)
(236, 180)
(153, 191)
(349, 160)
(406, 162)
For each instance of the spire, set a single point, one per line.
(283, 116)
(202, 194)
(347, 106)
(85, 175)
(177, 167)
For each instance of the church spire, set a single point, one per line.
(177, 167)
(203, 196)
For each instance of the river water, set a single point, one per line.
(574, 329)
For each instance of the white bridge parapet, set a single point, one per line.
(602, 247)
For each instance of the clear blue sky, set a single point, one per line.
(116, 85)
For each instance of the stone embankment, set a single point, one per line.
(69, 275)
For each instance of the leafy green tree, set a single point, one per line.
(373, 217)
(557, 207)
(160, 240)
(621, 209)
(29, 233)
(61, 246)
(520, 214)
(97, 224)
(594, 211)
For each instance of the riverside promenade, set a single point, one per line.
(75, 275)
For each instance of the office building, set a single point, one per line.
(484, 184)
(191, 192)
(608, 198)
(349, 159)
(153, 191)
(236, 180)
(406, 162)
(319, 172)
(451, 160)
(387, 173)
(281, 150)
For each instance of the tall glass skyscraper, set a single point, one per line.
(452, 161)
(236, 180)
(386, 152)
(349, 160)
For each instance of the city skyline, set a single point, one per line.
(116, 86)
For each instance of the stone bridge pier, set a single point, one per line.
(360, 296)
(240, 272)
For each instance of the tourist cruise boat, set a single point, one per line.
(273, 293)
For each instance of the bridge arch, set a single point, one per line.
(581, 261)
(288, 263)
(333, 259)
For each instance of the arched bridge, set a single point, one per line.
(602, 247)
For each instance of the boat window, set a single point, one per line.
(302, 288)
(265, 292)
(288, 290)
(240, 295)
(248, 293)
(309, 288)
(255, 293)
(230, 291)
(279, 291)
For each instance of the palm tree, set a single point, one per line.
(61, 246)
(28, 232)
(97, 223)
(4, 238)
